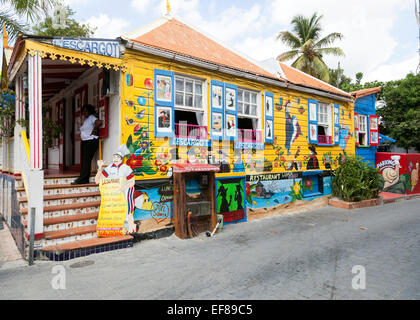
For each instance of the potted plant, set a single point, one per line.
(355, 184)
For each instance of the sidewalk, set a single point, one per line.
(8, 249)
(392, 197)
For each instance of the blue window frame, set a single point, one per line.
(268, 117)
(164, 103)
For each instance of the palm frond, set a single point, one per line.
(334, 51)
(320, 70)
(289, 39)
(13, 26)
(330, 39)
(287, 55)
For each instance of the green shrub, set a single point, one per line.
(355, 181)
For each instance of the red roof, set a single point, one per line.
(194, 167)
(365, 92)
(300, 78)
(175, 36)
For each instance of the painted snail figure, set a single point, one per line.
(391, 175)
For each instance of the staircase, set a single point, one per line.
(70, 218)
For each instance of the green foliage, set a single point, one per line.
(401, 114)
(308, 46)
(355, 181)
(72, 27)
(14, 14)
(7, 114)
(50, 132)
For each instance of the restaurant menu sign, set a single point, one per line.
(113, 208)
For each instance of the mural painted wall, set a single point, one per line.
(399, 172)
(283, 123)
(153, 206)
(272, 190)
(230, 199)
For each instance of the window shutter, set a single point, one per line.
(164, 103)
(313, 121)
(231, 111)
(269, 117)
(336, 120)
(374, 130)
(356, 128)
(217, 106)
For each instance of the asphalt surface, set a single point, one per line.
(308, 255)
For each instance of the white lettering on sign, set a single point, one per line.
(102, 47)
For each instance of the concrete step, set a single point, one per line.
(58, 189)
(81, 248)
(54, 179)
(64, 199)
(67, 210)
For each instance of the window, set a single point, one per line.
(189, 111)
(188, 93)
(247, 103)
(324, 124)
(249, 125)
(362, 130)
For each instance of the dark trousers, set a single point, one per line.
(88, 150)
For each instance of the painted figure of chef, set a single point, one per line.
(120, 170)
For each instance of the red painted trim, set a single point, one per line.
(37, 236)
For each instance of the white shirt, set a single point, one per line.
(87, 127)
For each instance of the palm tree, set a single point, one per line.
(14, 12)
(308, 48)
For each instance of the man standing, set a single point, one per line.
(90, 142)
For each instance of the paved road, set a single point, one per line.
(302, 256)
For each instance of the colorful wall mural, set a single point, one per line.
(230, 199)
(399, 172)
(150, 91)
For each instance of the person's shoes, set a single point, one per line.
(75, 182)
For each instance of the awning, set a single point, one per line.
(383, 138)
(194, 167)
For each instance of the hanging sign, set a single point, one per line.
(113, 208)
(108, 48)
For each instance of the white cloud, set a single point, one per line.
(107, 27)
(394, 71)
(366, 25)
(142, 6)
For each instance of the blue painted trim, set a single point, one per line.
(159, 103)
(230, 112)
(216, 109)
(312, 122)
(268, 117)
(336, 125)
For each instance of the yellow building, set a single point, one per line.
(181, 102)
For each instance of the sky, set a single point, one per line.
(381, 37)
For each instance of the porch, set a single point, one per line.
(43, 157)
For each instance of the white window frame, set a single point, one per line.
(257, 103)
(202, 120)
(321, 115)
(363, 124)
(194, 93)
